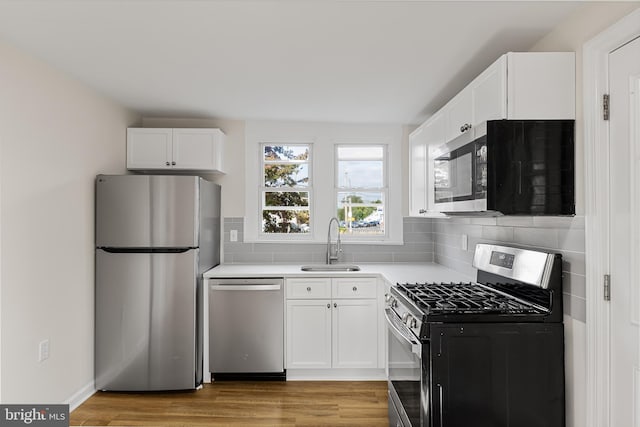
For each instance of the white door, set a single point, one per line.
(624, 137)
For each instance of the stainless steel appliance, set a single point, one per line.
(246, 328)
(484, 354)
(508, 167)
(155, 237)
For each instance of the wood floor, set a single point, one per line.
(290, 403)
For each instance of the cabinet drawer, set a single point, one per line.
(361, 287)
(308, 288)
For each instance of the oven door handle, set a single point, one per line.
(401, 332)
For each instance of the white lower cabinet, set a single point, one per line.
(354, 333)
(341, 331)
(308, 334)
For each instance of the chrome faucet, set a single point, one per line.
(333, 250)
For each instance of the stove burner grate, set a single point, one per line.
(454, 298)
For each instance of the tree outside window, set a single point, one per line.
(286, 190)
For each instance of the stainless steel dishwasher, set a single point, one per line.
(246, 328)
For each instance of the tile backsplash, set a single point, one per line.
(417, 247)
(564, 235)
(440, 240)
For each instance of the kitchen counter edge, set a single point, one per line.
(392, 272)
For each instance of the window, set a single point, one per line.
(286, 188)
(298, 175)
(361, 190)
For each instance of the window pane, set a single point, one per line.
(285, 221)
(286, 152)
(361, 174)
(286, 198)
(355, 153)
(286, 175)
(361, 212)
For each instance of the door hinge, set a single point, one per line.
(605, 106)
(607, 287)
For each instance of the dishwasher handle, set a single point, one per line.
(244, 287)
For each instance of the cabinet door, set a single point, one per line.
(197, 149)
(430, 134)
(489, 93)
(355, 333)
(434, 136)
(149, 148)
(541, 85)
(417, 173)
(308, 334)
(459, 114)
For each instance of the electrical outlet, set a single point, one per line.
(43, 350)
(465, 242)
(233, 235)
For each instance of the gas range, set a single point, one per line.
(497, 340)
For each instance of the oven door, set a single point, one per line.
(404, 364)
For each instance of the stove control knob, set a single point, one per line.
(412, 323)
(393, 303)
(387, 298)
(405, 318)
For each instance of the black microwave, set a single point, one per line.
(509, 167)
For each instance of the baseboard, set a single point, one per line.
(81, 395)
(336, 375)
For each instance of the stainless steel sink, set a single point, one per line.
(330, 267)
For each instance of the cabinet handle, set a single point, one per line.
(422, 211)
(355, 289)
(328, 305)
(173, 163)
(335, 305)
(168, 163)
(465, 127)
(308, 288)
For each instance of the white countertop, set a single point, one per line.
(393, 272)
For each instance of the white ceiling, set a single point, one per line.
(317, 60)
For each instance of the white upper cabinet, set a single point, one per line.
(541, 85)
(175, 149)
(430, 134)
(489, 93)
(149, 148)
(417, 173)
(458, 115)
(517, 86)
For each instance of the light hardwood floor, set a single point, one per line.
(290, 403)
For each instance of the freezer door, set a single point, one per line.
(146, 310)
(141, 211)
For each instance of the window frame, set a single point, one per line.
(263, 190)
(384, 190)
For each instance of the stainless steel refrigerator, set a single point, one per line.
(155, 236)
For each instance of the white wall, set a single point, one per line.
(56, 135)
(232, 181)
(583, 25)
